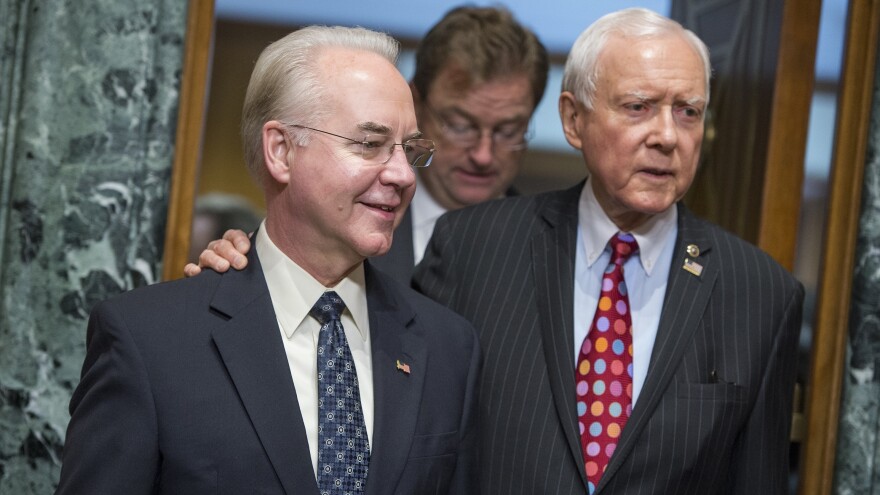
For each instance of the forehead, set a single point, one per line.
(453, 82)
(659, 64)
(361, 86)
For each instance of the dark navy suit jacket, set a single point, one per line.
(186, 389)
(399, 262)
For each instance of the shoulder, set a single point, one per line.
(512, 205)
(169, 312)
(510, 214)
(182, 292)
(737, 258)
(427, 313)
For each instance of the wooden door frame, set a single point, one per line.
(188, 141)
(778, 229)
(836, 276)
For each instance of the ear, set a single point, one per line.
(570, 111)
(277, 151)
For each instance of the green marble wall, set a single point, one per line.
(88, 107)
(857, 471)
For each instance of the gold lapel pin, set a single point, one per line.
(693, 251)
(403, 367)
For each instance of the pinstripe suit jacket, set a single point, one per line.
(714, 414)
(399, 262)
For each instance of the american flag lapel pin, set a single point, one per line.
(403, 367)
(690, 265)
(693, 267)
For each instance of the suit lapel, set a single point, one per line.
(397, 394)
(251, 349)
(687, 296)
(553, 256)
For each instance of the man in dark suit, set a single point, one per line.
(309, 372)
(714, 321)
(478, 73)
(629, 347)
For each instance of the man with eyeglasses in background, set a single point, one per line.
(479, 76)
(309, 371)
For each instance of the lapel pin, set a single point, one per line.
(692, 267)
(693, 251)
(403, 367)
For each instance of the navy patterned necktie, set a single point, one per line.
(343, 446)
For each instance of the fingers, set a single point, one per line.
(191, 270)
(218, 255)
(238, 239)
(222, 253)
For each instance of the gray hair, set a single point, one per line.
(286, 85)
(582, 66)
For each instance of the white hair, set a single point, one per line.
(286, 85)
(582, 66)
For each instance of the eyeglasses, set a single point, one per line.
(513, 136)
(378, 149)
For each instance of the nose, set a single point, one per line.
(665, 132)
(397, 171)
(481, 153)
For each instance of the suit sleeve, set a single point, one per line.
(760, 461)
(111, 444)
(466, 477)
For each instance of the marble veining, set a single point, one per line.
(88, 106)
(858, 451)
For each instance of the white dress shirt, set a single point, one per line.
(294, 291)
(425, 211)
(645, 273)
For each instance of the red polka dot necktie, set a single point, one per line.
(604, 370)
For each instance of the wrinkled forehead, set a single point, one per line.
(668, 57)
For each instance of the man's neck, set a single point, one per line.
(326, 266)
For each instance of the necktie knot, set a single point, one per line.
(329, 307)
(623, 245)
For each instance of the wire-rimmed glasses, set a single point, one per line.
(378, 148)
(512, 136)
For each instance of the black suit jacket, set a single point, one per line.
(186, 389)
(714, 413)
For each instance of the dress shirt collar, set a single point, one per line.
(425, 209)
(300, 290)
(597, 229)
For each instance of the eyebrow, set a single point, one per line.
(696, 101)
(515, 119)
(376, 128)
(642, 96)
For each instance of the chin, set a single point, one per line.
(374, 247)
(654, 204)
